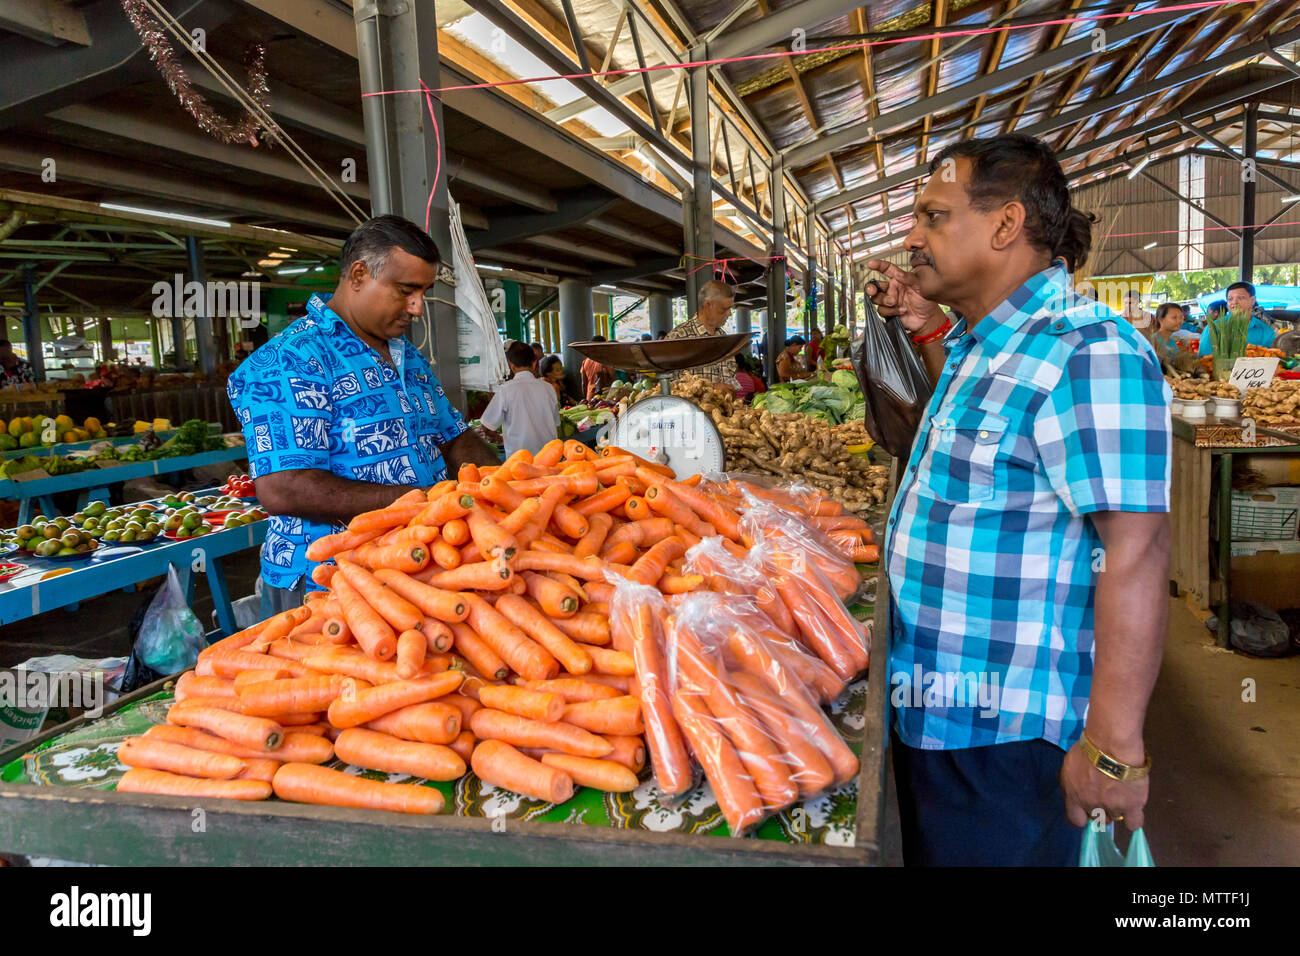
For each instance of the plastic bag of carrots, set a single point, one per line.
(741, 700)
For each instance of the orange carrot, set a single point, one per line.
(411, 648)
(479, 653)
(489, 537)
(484, 576)
(573, 690)
(191, 685)
(455, 532)
(732, 787)
(371, 630)
(569, 521)
(177, 758)
(587, 569)
(498, 491)
(536, 705)
(599, 774)
(432, 601)
(665, 502)
(398, 513)
(468, 472)
(452, 505)
(351, 662)
(336, 629)
(550, 453)
(598, 528)
(809, 769)
(636, 508)
(137, 780)
(599, 591)
(466, 706)
(433, 722)
(373, 702)
(259, 769)
(522, 732)
(603, 501)
(525, 657)
(672, 764)
(322, 549)
(503, 766)
(245, 678)
(437, 635)
(709, 510)
(302, 747)
(294, 695)
(255, 733)
(554, 598)
(379, 751)
(617, 715)
(229, 664)
(464, 745)
(235, 642)
(585, 628)
(402, 556)
(307, 783)
(526, 616)
(400, 613)
(629, 751)
(680, 583)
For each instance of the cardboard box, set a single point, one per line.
(1267, 572)
(1271, 514)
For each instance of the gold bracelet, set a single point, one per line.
(1111, 767)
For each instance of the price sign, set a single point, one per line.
(1248, 373)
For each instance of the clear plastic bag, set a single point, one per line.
(895, 385)
(170, 636)
(750, 720)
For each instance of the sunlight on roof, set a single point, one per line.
(494, 43)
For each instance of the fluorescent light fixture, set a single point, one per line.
(287, 249)
(1150, 245)
(291, 272)
(1132, 173)
(1291, 198)
(179, 217)
(277, 255)
(268, 262)
(484, 265)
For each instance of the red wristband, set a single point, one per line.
(934, 336)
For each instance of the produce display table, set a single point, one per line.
(115, 566)
(54, 801)
(1193, 474)
(94, 482)
(64, 448)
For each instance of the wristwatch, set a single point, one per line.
(1116, 769)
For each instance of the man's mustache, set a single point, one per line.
(921, 259)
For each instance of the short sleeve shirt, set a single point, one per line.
(724, 371)
(528, 408)
(318, 397)
(1047, 410)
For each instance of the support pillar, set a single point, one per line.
(155, 344)
(1246, 244)
(576, 319)
(776, 278)
(397, 49)
(514, 311)
(831, 291)
(810, 279)
(106, 338)
(661, 313)
(32, 325)
(743, 320)
(698, 270)
(206, 351)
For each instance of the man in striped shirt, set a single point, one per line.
(716, 299)
(1028, 545)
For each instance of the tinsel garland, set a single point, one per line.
(154, 36)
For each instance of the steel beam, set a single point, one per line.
(1246, 245)
(581, 249)
(571, 209)
(399, 50)
(777, 27)
(702, 186)
(1136, 92)
(1004, 78)
(641, 268)
(1251, 137)
(1187, 202)
(630, 234)
(52, 22)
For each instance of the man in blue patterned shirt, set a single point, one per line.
(341, 413)
(1028, 545)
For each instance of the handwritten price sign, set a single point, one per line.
(1248, 373)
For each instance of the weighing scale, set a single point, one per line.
(666, 428)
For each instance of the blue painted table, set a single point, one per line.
(93, 483)
(120, 566)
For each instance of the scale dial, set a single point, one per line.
(673, 431)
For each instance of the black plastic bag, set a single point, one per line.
(895, 385)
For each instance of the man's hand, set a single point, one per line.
(898, 295)
(467, 448)
(1088, 789)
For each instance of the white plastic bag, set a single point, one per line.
(482, 357)
(170, 636)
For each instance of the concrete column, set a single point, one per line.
(206, 352)
(575, 322)
(743, 318)
(776, 277)
(32, 325)
(661, 313)
(106, 338)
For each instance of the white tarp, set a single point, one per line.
(482, 356)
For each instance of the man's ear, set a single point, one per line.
(357, 273)
(1009, 225)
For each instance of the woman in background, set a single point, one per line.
(749, 383)
(552, 370)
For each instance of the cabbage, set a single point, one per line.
(845, 379)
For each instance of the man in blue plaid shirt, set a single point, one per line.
(1028, 545)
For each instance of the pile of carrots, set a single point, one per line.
(469, 626)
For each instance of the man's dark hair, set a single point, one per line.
(598, 338)
(520, 355)
(795, 340)
(1250, 289)
(537, 349)
(1019, 168)
(372, 241)
(1164, 310)
(1218, 305)
(548, 363)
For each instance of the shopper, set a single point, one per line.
(1028, 544)
(341, 412)
(595, 377)
(789, 363)
(748, 379)
(14, 370)
(1169, 320)
(552, 369)
(814, 349)
(538, 354)
(1241, 301)
(1137, 316)
(526, 405)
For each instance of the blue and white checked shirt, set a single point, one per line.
(1047, 409)
(316, 396)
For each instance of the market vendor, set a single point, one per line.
(715, 302)
(341, 412)
(1028, 545)
(790, 364)
(1241, 301)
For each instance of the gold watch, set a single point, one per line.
(1111, 767)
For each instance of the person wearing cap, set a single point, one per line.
(789, 365)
